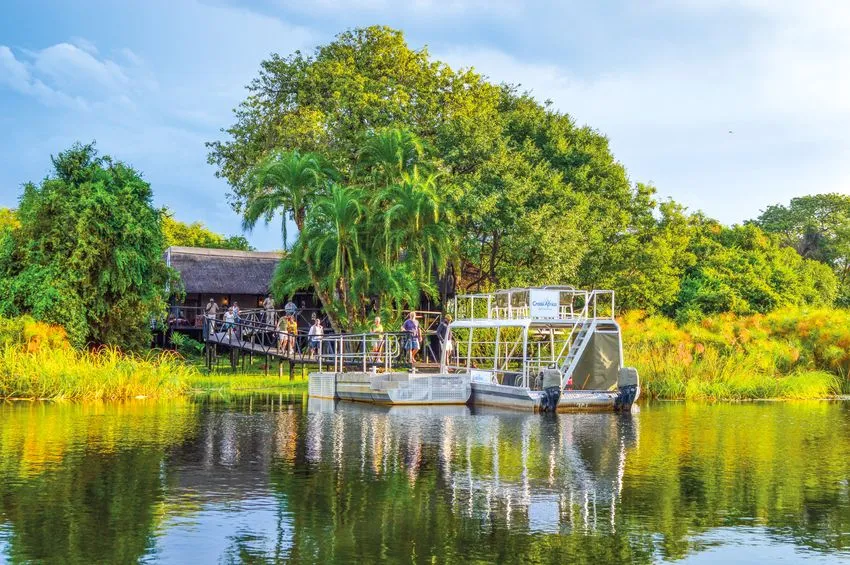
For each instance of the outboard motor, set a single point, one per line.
(551, 389)
(627, 386)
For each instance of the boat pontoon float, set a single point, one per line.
(350, 370)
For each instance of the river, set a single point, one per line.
(270, 477)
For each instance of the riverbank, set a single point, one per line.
(787, 354)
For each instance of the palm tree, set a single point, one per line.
(332, 237)
(415, 225)
(388, 153)
(283, 182)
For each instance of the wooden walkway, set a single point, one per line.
(253, 337)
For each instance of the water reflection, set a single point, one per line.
(276, 478)
(84, 483)
(547, 473)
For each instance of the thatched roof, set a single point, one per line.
(223, 271)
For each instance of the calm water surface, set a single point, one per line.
(277, 478)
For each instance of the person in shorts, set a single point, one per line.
(414, 336)
(315, 336)
(292, 333)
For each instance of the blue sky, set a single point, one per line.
(665, 80)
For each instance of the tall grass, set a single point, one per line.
(790, 353)
(37, 362)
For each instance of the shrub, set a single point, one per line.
(789, 353)
(37, 361)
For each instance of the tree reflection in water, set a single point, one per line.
(271, 478)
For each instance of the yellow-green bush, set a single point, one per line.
(790, 353)
(36, 361)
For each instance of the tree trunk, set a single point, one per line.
(324, 297)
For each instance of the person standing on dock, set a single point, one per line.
(210, 311)
(378, 340)
(411, 327)
(281, 333)
(292, 333)
(268, 307)
(315, 336)
(444, 338)
(229, 319)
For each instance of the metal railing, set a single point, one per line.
(556, 303)
(361, 351)
(516, 353)
(340, 352)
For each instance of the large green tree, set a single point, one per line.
(88, 251)
(533, 193)
(817, 227)
(197, 234)
(531, 197)
(371, 239)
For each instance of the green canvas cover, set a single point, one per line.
(599, 365)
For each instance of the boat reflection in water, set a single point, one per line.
(550, 473)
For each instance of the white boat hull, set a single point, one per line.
(521, 398)
(413, 389)
(391, 388)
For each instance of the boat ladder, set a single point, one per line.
(585, 330)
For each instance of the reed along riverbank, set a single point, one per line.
(788, 354)
(37, 362)
(791, 353)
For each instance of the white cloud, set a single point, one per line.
(85, 45)
(782, 93)
(70, 68)
(16, 75)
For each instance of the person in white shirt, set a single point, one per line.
(315, 336)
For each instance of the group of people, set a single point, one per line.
(414, 337)
(286, 329)
(231, 316)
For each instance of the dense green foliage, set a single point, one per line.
(196, 234)
(817, 227)
(370, 239)
(789, 353)
(37, 361)
(534, 198)
(522, 174)
(87, 253)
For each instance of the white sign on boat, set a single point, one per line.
(479, 376)
(544, 304)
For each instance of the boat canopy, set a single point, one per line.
(512, 335)
(547, 305)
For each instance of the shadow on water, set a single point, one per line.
(280, 477)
